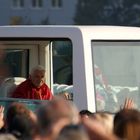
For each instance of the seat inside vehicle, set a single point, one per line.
(9, 84)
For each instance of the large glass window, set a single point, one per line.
(18, 3)
(117, 73)
(62, 67)
(37, 3)
(56, 3)
(17, 62)
(19, 56)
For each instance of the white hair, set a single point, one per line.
(37, 68)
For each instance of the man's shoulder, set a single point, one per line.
(24, 83)
(21, 88)
(44, 85)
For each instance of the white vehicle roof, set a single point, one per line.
(96, 32)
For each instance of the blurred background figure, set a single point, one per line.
(21, 122)
(54, 115)
(96, 130)
(73, 132)
(106, 119)
(85, 113)
(127, 124)
(7, 137)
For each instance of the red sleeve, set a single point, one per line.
(48, 95)
(18, 92)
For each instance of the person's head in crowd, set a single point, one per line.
(127, 124)
(73, 132)
(55, 114)
(20, 120)
(37, 75)
(106, 119)
(6, 136)
(96, 130)
(85, 113)
(14, 109)
(23, 127)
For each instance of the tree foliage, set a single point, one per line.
(108, 12)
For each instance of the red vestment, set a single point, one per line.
(27, 90)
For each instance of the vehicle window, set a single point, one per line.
(19, 56)
(17, 62)
(62, 67)
(116, 73)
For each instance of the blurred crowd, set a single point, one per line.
(59, 119)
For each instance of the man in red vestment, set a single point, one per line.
(34, 87)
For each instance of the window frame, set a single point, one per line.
(18, 4)
(56, 4)
(95, 41)
(37, 4)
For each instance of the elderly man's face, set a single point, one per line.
(37, 78)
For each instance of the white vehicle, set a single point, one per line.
(98, 65)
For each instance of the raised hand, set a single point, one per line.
(1, 116)
(128, 104)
